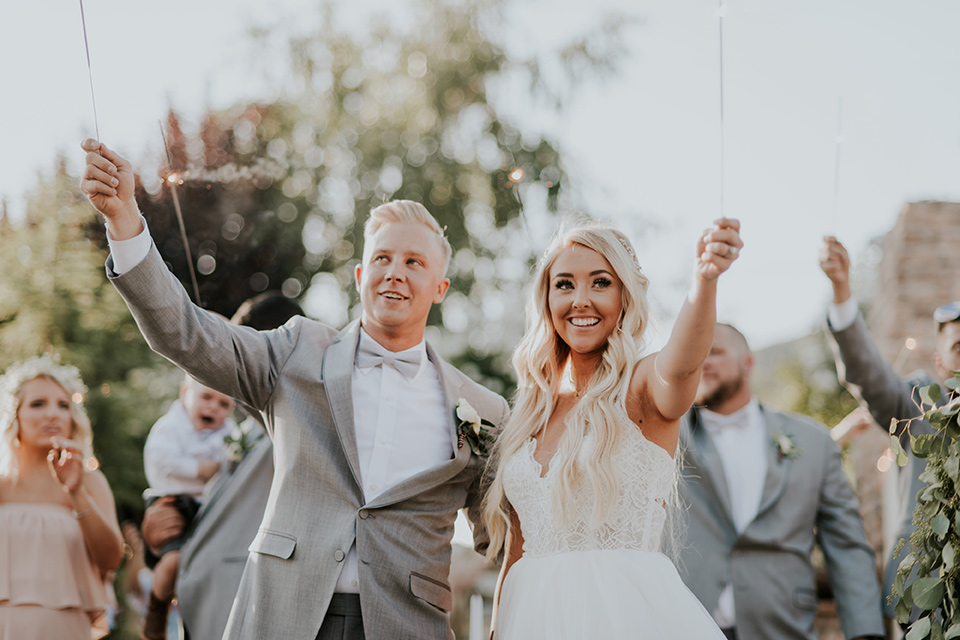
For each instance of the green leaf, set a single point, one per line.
(928, 593)
(940, 524)
(930, 394)
(923, 444)
(952, 632)
(953, 384)
(904, 606)
(952, 468)
(936, 630)
(896, 448)
(919, 629)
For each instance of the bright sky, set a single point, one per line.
(643, 146)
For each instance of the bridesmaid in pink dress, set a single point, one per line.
(59, 535)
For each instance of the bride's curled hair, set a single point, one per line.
(541, 359)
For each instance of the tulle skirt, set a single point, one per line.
(586, 595)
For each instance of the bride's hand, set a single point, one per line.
(717, 248)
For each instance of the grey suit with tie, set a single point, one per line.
(215, 551)
(299, 378)
(864, 372)
(804, 499)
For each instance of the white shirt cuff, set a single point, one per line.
(129, 253)
(841, 316)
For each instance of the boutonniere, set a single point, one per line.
(786, 446)
(471, 428)
(239, 443)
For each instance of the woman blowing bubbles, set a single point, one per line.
(59, 535)
(585, 466)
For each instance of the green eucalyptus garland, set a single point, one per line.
(928, 578)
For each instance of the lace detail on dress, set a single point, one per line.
(635, 521)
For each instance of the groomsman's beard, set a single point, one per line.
(723, 392)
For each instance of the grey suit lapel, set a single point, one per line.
(706, 454)
(777, 468)
(451, 389)
(337, 376)
(442, 472)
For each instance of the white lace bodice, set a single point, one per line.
(645, 473)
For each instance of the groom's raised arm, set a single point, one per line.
(238, 361)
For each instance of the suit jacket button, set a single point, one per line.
(364, 514)
(339, 555)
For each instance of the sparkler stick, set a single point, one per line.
(721, 10)
(836, 164)
(516, 175)
(86, 44)
(173, 179)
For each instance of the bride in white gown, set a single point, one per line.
(585, 467)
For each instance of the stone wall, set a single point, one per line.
(919, 255)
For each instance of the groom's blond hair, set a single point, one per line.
(407, 211)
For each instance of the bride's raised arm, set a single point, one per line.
(668, 379)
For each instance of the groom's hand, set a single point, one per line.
(107, 182)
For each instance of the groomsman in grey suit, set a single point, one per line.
(864, 372)
(215, 549)
(760, 487)
(370, 472)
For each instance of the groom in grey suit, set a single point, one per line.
(865, 373)
(369, 469)
(761, 487)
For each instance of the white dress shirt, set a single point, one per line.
(842, 315)
(741, 441)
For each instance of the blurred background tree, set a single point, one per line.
(275, 195)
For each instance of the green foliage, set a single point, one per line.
(928, 578)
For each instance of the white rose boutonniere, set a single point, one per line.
(470, 428)
(786, 446)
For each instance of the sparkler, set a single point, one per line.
(836, 163)
(721, 11)
(93, 97)
(173, 180)
(513, 179)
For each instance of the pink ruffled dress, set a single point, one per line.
(49, 585)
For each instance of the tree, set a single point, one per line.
(275, 195)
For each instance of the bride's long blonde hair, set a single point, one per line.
(540, 360)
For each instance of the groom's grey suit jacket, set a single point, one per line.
(804, 499)
(865, 373)
(299, 378)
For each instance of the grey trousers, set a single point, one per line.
(343, 620)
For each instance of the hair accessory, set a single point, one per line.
(626, 245)
(947, 313)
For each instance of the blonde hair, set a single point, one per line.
(11, 395)
(402, 211)
(540, 360)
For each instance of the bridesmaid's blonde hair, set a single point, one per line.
(540, 360)
(11, 394)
